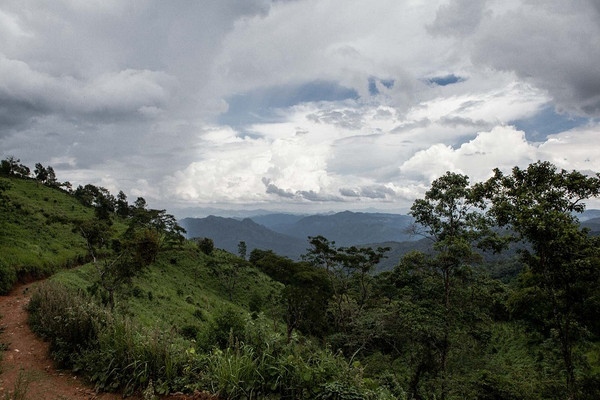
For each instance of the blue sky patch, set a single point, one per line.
(547, 122)
(259, 105)
(445, 80)
(373, 91)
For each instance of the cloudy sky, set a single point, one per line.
(301, 105)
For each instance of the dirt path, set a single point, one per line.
(27, 358)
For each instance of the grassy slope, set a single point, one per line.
(184, 291)
(36, 233)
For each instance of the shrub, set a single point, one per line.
(338, 391)
(189, 331)
(228, 325)
(68, 320)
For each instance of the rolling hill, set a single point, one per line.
(228, 232)
(345, 228)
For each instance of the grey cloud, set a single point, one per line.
(371, 192)
(553, 45)
(407, 126)
(310, 195)
(347, 119)
(467, 122)
(273, 189)
(314, 196)
(349, 192)
(458, 18)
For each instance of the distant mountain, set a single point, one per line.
(228, 232)
(593, 224)
(398, 250)
(588, 214)
(277, 222)
(345, 228)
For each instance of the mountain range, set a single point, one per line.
(287, 234)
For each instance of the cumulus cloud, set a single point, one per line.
(551, 45)
(232, 103)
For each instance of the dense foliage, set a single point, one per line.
(456, 322)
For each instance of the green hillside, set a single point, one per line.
(179, 289)
(36, 231)
(152, 312)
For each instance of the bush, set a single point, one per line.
(68, 320)
(338, 391)
(189, 331)
(227, 326)
(109, 350)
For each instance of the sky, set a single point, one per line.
(296, 105)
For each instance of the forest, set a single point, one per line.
(133, 306)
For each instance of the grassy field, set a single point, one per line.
(37, 234)
(180, 288)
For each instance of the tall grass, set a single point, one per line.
(36, 232)
(115, 353)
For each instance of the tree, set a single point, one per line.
(206, 245)
(228, 273)
(51, 178)
(12, 167)
(304, 296)
(122, 206)
(41, 173)
(360, 263)
(323, 253)
(449, 216)
(117, 260)
(242, 249)
(538, 204)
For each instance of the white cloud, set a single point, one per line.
(128, 94)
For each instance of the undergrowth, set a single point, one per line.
(114, 352)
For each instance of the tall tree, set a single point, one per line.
(242, 249)
(538, 204)
(122, 206)
(449, 216)
(41, 173)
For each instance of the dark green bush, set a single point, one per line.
(189, 331)
(338, 391)
(69, 321)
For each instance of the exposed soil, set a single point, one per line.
(27, 367)
(26, 359)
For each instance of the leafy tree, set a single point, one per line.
(228, 273)
(206, 245)
(51, 178)
(104, 203)
(449, 216)
(304, 296)
(360, 262)
(323, 253)
(41, 173)
(13, 167)
(140, 203)
(117, 260)
(122, 206)
(242, 249)
(538, 204)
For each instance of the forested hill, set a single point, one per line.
(227, 233)
(345, 228)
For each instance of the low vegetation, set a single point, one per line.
(154, 313)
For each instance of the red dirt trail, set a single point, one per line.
(27, 356)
